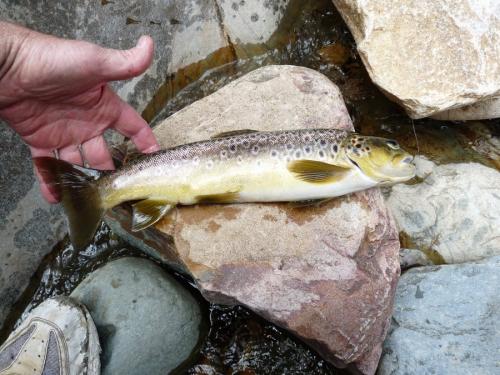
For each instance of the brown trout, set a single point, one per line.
(244, 166)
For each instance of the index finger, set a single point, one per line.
(133, 126)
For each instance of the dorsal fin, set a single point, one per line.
(232, 133)
(317, 172)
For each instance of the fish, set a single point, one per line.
(233, 167)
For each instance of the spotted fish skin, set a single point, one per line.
(278, 166)
(254, 167)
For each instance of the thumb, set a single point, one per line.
(124, 64)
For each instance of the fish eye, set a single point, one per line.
(393, 144)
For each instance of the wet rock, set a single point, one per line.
(327, 274)
(445, 321)
(429, 56)
(185, 33)
(29, 227)
(147, 322)
(452, 213)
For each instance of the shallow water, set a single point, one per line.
(316, 37)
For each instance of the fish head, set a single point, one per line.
(381, 159)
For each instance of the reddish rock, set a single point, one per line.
(328, 273)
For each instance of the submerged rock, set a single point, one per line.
(428, 55)
(147, 322)
(453, 212)
(327, 274)
(446, 321)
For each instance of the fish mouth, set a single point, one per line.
(403, 171)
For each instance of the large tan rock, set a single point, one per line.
(328, 273)
(428, 55)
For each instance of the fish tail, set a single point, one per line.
(77, 188)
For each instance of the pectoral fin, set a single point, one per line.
(147, 212)
(233, 133)
(317, 172)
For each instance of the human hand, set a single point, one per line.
(54, 94)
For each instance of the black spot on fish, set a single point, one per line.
(274, 153)
(307, 149)
(321, 154)
(298, 154)
(232, 148)
(335, 148)
(322, 143)
(358, 146)
(255, 149)
(246, 143)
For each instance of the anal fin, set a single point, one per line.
(147, 212)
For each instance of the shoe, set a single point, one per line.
(56, 338)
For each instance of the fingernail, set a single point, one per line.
(151, 149)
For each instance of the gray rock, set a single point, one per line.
(413, 258)
(429, 56)
(446, 321)
(29, 228)
(328, 273)
(453, 211)
(147, 322)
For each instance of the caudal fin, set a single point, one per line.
(77, 188)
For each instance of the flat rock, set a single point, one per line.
(147, 322)
(446, 321)
(429, 56)
(327, 274)
(453, 212)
